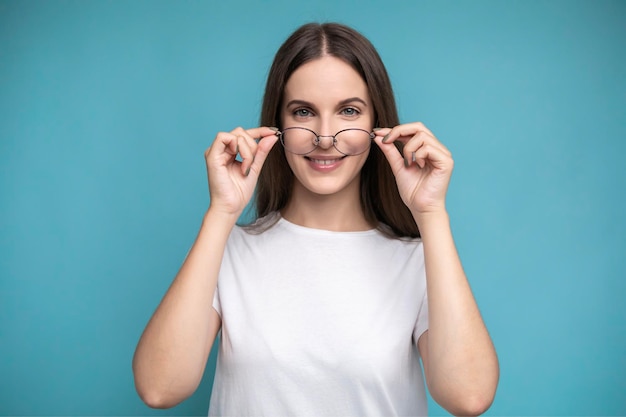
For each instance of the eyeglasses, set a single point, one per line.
(302, 141)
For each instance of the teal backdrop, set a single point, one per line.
(106, 108)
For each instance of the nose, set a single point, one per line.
(325, 141)
(325, 138)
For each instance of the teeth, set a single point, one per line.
(323, 161)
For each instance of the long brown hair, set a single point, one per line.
(379, 197)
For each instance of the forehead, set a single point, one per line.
(325, 78)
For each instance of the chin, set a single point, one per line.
(329, 187)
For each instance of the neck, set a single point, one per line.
(340, 212)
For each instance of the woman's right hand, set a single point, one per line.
(231, 182)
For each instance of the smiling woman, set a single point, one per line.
(349, 275)
(327, 95)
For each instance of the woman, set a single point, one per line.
(348, 276)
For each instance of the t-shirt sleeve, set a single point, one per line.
(216, 301)
(225, 266)
(421, 325)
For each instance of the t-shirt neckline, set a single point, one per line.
(311, 230)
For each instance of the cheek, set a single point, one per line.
(291, 160)
(363, 159)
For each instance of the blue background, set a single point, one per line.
(106, 108)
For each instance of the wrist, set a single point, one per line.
(220, 218)
(431, 220)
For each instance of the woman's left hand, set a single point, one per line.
(422, 170)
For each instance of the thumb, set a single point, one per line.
(265, 146)
(395, 159)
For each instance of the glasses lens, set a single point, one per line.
(298, 140)
(302, 141)
(352, 141)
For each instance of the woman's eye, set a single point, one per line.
(350, 111)
(302, 113)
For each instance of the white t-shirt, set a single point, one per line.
(320, 323)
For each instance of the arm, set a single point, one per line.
(172, 353)
(459, 359)
(173, 350)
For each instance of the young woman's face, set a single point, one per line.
(326, 95)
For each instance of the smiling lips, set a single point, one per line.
(324, 164)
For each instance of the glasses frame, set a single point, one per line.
(317, 141)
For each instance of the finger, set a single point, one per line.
(419, 140)
(381, 131)
(261, 132)
(406, 131)
(224, 147)
(244, 134)
(264, 147)
(246, 147)
(391, 152)
(403, 133)
(247, 154)
(429, 154)
(409, 129)
(423, 128)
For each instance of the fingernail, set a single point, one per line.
(237, 149)
(376, 129)
(248, 171)
(275, 129)
(406, 163)
(386, 138)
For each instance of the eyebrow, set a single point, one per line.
(341, 103)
